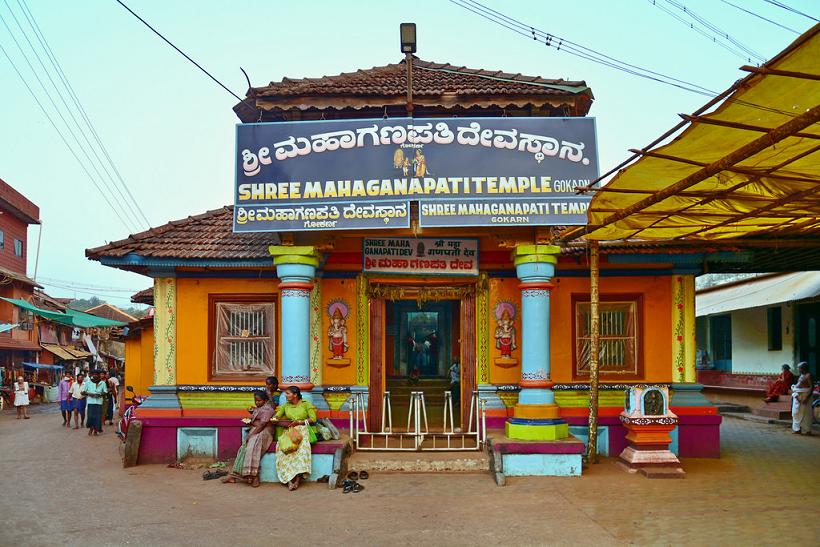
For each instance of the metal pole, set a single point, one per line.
(594, 342)
(408, 57)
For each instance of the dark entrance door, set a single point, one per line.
(808, 335)
(421, 346)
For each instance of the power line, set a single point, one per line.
(789, 8)
(74, 284)
(551, 40)
(78, 104)
(167, 41)
(62, 137)
(714, 28)
(760, 16)
(700, 31)
(108, 181)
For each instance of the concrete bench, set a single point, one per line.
(321, 461)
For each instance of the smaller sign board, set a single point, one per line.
(323, 216)
(420, 256)
(503, 212)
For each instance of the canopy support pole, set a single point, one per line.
(594, 342)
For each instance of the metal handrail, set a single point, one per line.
(417, 426)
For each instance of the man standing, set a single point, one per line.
(455, 381)
(95, 391)
(77, 396)
(65, 406)
(113, 394)
(802, 415)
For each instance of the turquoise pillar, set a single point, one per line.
(296, 268)
(536, 415)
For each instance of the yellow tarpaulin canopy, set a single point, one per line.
(748, 167)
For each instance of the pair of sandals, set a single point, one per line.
(351, 485)
(214, 474)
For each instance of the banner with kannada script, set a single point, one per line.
(421, 256)
(516, 161)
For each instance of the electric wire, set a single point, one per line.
(78, 104)
(714, 28)
(572, 49)
(519, 26)
(62, 137)
(791, 9)
(575, 46)
(775, 23)
(167, 41)
(700, 31)
(74, 284)
(108, 181)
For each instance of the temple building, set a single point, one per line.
(383, 245)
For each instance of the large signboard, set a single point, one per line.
(421, 256)
(349, 174)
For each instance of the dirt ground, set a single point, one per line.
(61, 487)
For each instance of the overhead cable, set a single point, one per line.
(106, 179)
(791, 9)
(78, 104)
(62, 137)
(551, 40)
(741, 8)
(714, 28)
(167, 41)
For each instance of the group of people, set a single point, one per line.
(291, 425)
(801, 393)
(90, 400)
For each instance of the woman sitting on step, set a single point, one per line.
(293, 452)
(259, 439)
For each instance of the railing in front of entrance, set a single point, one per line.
(417, 437)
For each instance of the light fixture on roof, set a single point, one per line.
(408, 37)
(407, 33)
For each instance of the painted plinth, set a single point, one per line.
(648, 450)
(296, 268)
(519, 458)
(536, 415)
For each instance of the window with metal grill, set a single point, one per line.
(619, 333)
(244, 339)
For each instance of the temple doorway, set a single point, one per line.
(422, 343)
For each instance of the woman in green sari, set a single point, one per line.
(294, 466)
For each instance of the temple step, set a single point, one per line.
(773, 412)
(420, 462)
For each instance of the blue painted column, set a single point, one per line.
(536, 415)
(296, 268)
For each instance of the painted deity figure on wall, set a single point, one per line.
(505, 329)
(337, 332)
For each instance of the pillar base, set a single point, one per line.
(537, 412)
(536, 430)
(689, 395)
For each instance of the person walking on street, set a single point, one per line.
(95, 392)
(65, 406)
(77, 395)
(802, 414)
(112, 384)
(21, 398)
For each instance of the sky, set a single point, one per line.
(169, 129)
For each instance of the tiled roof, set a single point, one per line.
(145, 296)
(17, 276)
(206, 236)
(434, 84)
(428, 79)
(107, 311)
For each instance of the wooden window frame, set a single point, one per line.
(637, 299)
(241, 298)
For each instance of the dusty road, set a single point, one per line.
(61, 487)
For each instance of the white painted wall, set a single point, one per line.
(750, 341)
